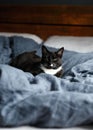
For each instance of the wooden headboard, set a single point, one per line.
(46, 20)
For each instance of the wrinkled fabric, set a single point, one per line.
(5, 50)
(45, 100)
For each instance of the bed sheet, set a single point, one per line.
(33, 128)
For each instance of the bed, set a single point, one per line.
(73, 29)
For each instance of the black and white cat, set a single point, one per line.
(50, 62)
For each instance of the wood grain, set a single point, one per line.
(45, 31)
(47, 20)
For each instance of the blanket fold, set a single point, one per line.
(45, 100)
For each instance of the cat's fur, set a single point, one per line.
(50, 62)
(28, 62)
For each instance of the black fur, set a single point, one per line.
(30, 62)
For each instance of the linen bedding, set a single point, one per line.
(45, 100)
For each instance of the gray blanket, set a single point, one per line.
(45, 100)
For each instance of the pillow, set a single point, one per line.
(5, 50)
(20, 44)
(78, 44)
(25, 35)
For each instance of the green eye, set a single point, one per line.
(55, 60)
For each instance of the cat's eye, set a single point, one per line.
(55, 60)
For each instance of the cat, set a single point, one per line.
(50, 62)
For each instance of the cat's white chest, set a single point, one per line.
(51, 71)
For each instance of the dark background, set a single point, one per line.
(65, 2)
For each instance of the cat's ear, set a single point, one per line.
(60, 52)
(44, 50)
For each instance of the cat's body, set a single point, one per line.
(28, 62)
(50, 63)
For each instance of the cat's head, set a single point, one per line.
(52, 60)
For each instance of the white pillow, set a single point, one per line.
(25, 35)
(78, 44)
